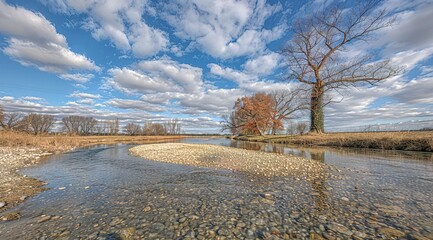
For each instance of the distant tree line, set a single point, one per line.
(80, 125)
(170, 127)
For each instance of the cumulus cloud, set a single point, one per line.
(187, 77)
(77, 94)
(224, 29)
(135, 104)
(248, 82)
(263, 65)
(120, 22)
(157, 76)
(131, 81)
(33, 41)
(77, 77)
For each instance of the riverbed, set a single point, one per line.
(103, 192)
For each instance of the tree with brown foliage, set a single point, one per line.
(316, 52)
(252, 115)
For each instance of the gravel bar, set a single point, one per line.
(14, 187)
(220, 157)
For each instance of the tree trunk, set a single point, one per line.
(317, 116)
(274, 129)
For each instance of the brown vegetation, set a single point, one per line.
(263, 112)
(409, 141)
(54, 143)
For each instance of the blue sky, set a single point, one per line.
(141, 60)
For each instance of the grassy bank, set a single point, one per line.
(53, 143)
(410, 141)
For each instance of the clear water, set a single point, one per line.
(96, 192)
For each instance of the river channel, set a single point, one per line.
(103, 192)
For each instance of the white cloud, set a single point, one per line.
(120, 22)
(31, 98)
(77, 77)
(34, 42)
(131, 81)
(77, 94)
(416, 91)
(147, 41)
(263, 65)
(187, 77)
(157, 76)
(248, 82)
(157, 98)
(28, 26)
(413, 29)
(87, 101)
(224, 29)
(135, 104)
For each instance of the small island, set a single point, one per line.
(220, 157)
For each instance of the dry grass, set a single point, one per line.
(410, 141)
(53, 143)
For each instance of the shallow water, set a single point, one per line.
(103, 193)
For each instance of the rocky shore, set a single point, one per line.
(14, 187)
(220, 157)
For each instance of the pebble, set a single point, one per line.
(2, 204)
(44, 218)
(127, 233)
(336, 227)
(345, 199)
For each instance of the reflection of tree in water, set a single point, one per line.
(246, 145)
(319, 192)
(318, 155)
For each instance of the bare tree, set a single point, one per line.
(39, 123)
(286, 103)
(132, 129)
(79, 125)
(87, 125)
(290, 128)
(316, 52)
(71, 124)
(113, 127)
(2, 113)
(12, 121)
(301, 127)
(172, 127)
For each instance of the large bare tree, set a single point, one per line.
(316, 54)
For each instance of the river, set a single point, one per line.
(102, 192)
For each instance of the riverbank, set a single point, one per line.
(408, 141)
(19, 150)
(220, 157)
